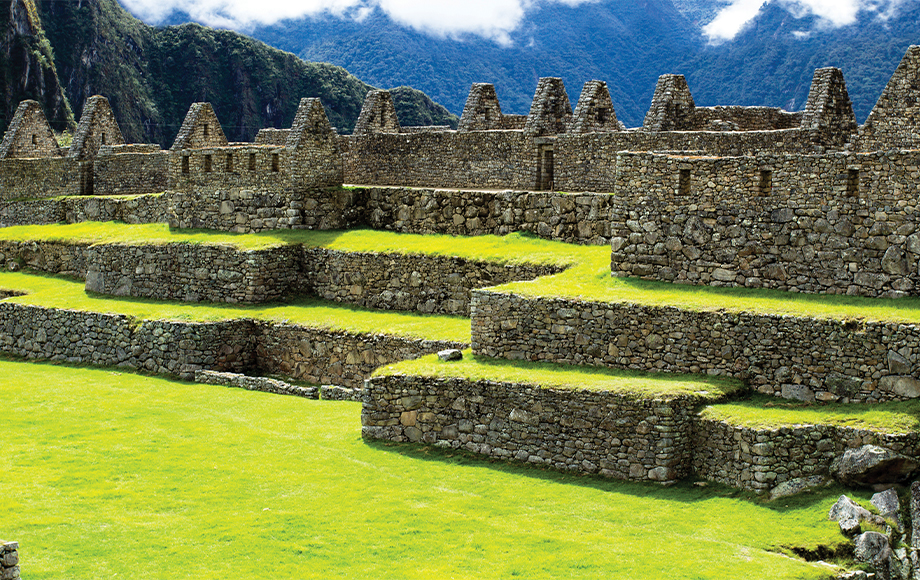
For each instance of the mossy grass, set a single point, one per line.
(631, 384)
(107, 473)
(67, 293)
(764, 412)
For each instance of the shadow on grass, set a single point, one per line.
(684, 491)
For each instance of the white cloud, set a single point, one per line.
(830, 13)
(488, 18)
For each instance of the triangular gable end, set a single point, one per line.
(378, 115)
(200, 129)
(672, 105)
(594, 112)
(29, 135)
(97, 127)
(310, 125)
(482, 111)
(828, 108)
(893, 122)
(550, 112)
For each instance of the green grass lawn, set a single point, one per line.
(108, 474)
(61, 292)
(760, 411)
(627, 383)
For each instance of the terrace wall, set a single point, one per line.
(181, 348)
(213, 273)
(838, 223)
(760, 459)
(134, 210)
(9, 560)
(793, 357)
(572, 430)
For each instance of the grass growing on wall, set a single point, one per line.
(764, 412)
(109, 474)
(60, 292)
(638, 384)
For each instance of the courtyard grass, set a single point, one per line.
(763, 412)
(111, 474)
(631, 384)
(67, 293)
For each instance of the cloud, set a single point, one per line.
(830, 13)
(493, 19)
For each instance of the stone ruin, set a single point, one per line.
(718, 196)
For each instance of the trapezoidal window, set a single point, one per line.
(207, 130)
(102, 139)
(765, 186)
(275, 163)
(252, 162)
(34, 140)
(185, 164)
(229, 162)
(852, 182)
(683, 182)
(207, 163)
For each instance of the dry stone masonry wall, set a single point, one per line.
(583, 431)
(9, 560)
(840, 224)
(793, 357)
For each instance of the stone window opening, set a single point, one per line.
(102, 139)
(275, 162)
(185, 164)
(252, 162)
(229, 162)
(601, 116)
(207, 163)
(545, 169)
(34, 139)
(766, 182)
(207, 130)
(853, 182)
(683, 182)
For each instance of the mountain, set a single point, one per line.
(626, 44)
(772, 60)
(27, 67)
(152, 75)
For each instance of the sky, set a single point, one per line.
(493, 19)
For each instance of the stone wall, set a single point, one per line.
(33, 178)
(142, 209)
(166, 347)
(429, 284)
(839, 223)
(760, 459)
(253, 167)
(573, 430)
(213, 273)
(9, 560)
(129, 170)
(793, 357)
(324, 356)
(478, 159)
(182, 348)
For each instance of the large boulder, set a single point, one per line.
(872, 465)
(889, 506)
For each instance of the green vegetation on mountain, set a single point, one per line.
(27, 66)
(151, 75)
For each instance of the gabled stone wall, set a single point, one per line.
(893, 122)
(130, 170)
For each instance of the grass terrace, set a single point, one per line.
(763, 412)
(628, 383)
(66, 293)
(587, 276)
(111, 474)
